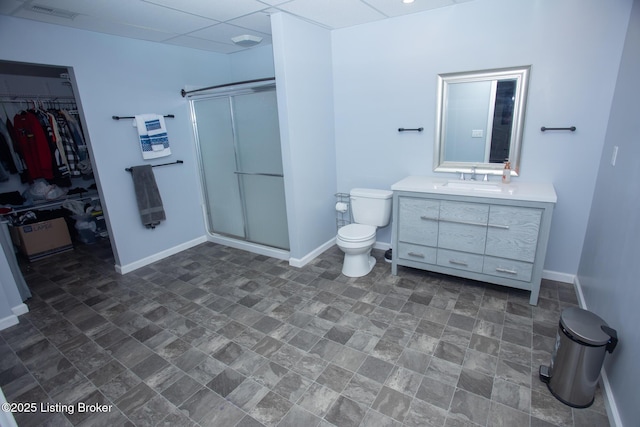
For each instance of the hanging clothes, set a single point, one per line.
(66, 144)
(34, 145)
(76, 134)
(11, 157)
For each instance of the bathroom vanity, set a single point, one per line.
(486, 231)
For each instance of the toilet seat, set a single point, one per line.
(354, 233)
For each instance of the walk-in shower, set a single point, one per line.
(238, 139)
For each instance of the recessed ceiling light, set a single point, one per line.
(407, 1)
(246, 40)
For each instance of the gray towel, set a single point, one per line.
(147, 196)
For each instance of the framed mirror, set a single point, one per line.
(480, 119)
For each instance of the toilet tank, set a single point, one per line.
(370, 206)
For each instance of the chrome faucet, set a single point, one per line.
(473, 173)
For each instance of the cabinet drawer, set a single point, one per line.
(517, 270)
(463, 226)
(463, 212)
(417, 253)
(418, 221)
(460, 260)
(513, 232)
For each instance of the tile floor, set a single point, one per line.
(215, 336)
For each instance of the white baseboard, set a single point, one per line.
(301, 262)
(581, 301)
(249, 247)
(20, 309)
(124, 269)
(382, 245)
(609, 402)
(8, 321)
(558, 277)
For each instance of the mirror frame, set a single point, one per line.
(521, 74)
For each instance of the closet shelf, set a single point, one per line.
(90, 195)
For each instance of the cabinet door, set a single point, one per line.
(463, 226)
(513, 232)
(418, 221)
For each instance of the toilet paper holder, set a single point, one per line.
(343, 210)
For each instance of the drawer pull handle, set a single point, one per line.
(506, 270)
(416, 254)
(503, 227)
(480, 224)
(428, 218)
(457, 262)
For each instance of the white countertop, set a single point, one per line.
(530, 191)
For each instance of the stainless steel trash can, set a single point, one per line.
(583, 339)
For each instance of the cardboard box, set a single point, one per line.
(42, 238)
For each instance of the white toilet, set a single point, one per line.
(370, 209)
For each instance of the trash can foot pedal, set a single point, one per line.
(544, 374)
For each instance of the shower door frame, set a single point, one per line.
(239, 242)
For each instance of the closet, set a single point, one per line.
(45, 169)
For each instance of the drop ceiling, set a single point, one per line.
(207, 24)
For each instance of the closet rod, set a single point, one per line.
(187, 92)
(18, 99)
(171, 116)
(53, 204)
(161, 164)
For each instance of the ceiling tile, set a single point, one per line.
(8, 6)
(101, 26)
(202, 44)
(259, 21)
(333, 13)
(134, 12)
(397, 8)
(223, 33)
(198, 23)
(220, 10)
(275, 2)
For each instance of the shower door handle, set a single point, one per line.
(260, 174)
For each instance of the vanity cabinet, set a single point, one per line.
(500, 240)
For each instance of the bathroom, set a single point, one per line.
(362, 93)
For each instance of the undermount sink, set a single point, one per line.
(489, 187)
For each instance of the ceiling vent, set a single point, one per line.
(246, 40)
(52, 11)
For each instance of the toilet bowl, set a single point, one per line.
(371, 209)
(356, 241)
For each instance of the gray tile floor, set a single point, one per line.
(215, 336)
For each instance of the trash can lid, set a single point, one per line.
(584, 325)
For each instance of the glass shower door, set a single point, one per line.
(239, 141)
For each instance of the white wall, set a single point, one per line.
(118, 76)
(302, 57)
(609, 268)
(254, 63)
(10, 300)
(385, 77)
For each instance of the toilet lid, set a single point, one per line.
(356, 232)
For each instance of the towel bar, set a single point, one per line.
(161, 164)
(572, 128)
(171, 116)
